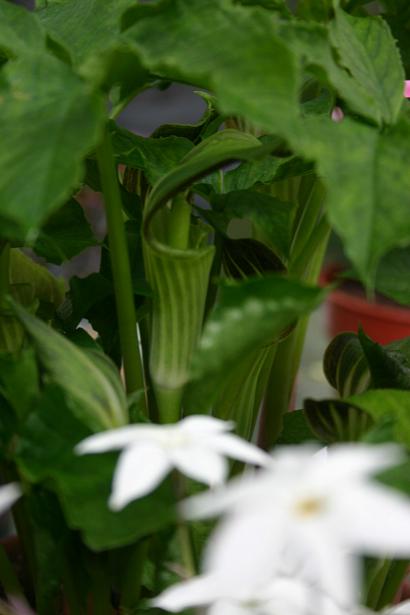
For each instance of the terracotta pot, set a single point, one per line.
(347, 308)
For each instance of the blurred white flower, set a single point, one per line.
(196, 446)
(316, 512)
(8, 495)
(282, 596)
(399, 609)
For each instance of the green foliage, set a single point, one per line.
(36, 180)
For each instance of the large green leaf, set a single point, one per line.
(392, 278)
(385, 404)
(156, 157)
(334, 420)
(365, 172)
(368, 51)
(20, 31)
(83, 483)
(90, 32)
(65, 234)
(230, 49)
(101, 398)
(248, 315)
(49, 120)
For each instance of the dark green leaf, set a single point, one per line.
(333, 420)
(65, 234)
(102, 401)
(15, 372)
(265, 171)
(20, 31)
(228, 49)
(345, 365)
(296, 429)
(42, 103)
(155, 157)
(83, 483)
(392, 278)
(269, 215)
(389, 368)
(368, 51)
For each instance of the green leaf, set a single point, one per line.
(30, 281)
(345, 365)
(15, 371)
(334, 420)
(265, 171)
(83, 483)
(392, 276)
(44, 104)
(364, 171)
(389, 367)
(226, 48)
(266, 212)
(156, 157)
(65, 234)
(240, 397)
(222, 147)
(90, 31)
(296, 429)
(102, 400)
(368, 51)
(271, 5)
(20, 31)
(313, 45)
(382, 404)
(248, 315)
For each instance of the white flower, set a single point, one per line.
(8, 495)
(318, 513)
(281, 596)
(399, 609)
(196, 446)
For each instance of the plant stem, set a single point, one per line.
(186, 546)
(395, 575)
(4, 271)
(120, 264)
(8, 577)
(131, 581)
(376, 587)
(179, 223)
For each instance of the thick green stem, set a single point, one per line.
(120, 267)
(179, 223)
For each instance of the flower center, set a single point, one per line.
(309, 507)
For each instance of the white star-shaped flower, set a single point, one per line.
(319, 512)
(196, 446)
(8, 495)
(399, 609)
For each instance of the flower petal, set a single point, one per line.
(201, 464)
(139, 471)
(115, 438)
(400, 609)
(8, 495)
(376, 520)
(235, 447)
(199, 591)
(203, 424)
(223, 607)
